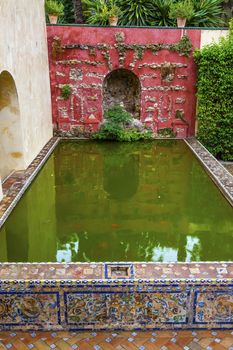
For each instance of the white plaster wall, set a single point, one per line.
(1, 194)
(210, 36)
(11, 141)
(23, 53)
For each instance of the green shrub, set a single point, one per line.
(118, 125)
(53, 7)
(117, 115)
(98, 11)
(215, 97)
(66, 91)
(181, 9)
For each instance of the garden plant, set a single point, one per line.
(215, 97)
(118, 125)
(206, 13)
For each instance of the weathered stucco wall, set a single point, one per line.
(210, 36)
(11, 155)
(84, 56)
(23, 54)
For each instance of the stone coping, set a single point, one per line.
(135, 27)
(140, 272)
(219, 174)
(120, 272)
(16, 184)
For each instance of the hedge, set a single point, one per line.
(215, 97)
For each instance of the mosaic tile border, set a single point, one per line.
(219, 174)
(107, 307)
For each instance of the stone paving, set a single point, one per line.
(161, 340)
(228, 166)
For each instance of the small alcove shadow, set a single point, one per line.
(122, 86)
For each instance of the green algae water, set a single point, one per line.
(120, 202)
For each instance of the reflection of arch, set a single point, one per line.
(122, 86)
(11, 145)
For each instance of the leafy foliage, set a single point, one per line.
(66, 91)
(68, 16)
(95, 12)
(227, 12)
(53, 7)
(136, 12)
(184, 47)
(156, 12)
(207, 13)
(98, 11)
(182, 9)
(161, 13)
(215, 97)
(120, 126)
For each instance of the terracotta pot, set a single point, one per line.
(53, 19)
(113, 20)
(181, 22)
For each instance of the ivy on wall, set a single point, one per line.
(183, 47)
(215, 97)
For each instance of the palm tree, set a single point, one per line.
(78, 12)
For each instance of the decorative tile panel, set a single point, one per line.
(123, 308)
(214, 307)
(20, 308)
(110, 304)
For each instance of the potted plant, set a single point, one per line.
(113, 14)
(181, 11)
(53, 9)
(101, 12)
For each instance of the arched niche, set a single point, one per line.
(11, 142)
(122, 86)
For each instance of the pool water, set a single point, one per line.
(120, 202)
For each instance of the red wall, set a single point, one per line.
(159, 99)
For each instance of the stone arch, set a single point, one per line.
(11, 141)
(122, 86)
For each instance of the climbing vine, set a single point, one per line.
(183, 47)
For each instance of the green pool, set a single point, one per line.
(120, 202)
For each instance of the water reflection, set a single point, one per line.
(120, 172)
(128, 202)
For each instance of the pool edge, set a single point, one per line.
(190, 288)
